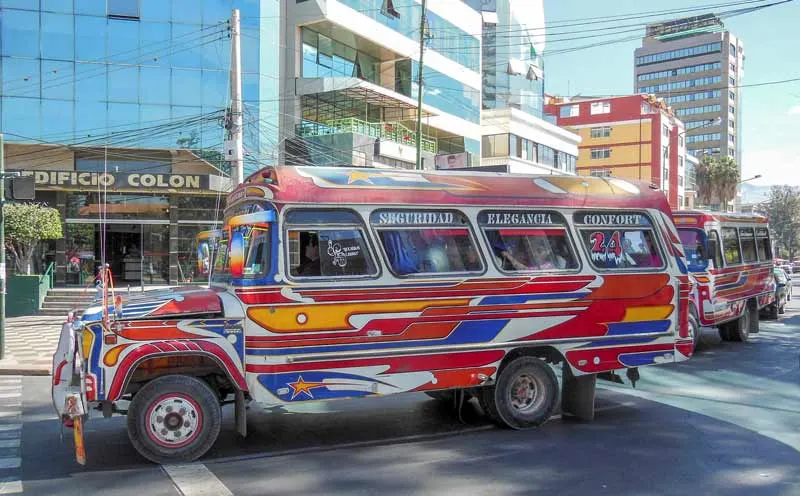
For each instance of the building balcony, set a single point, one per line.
(391, 131)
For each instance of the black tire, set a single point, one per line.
(155, 428)
(741, 327)
(724, 331)
(694, 328)
(773, 311)
(486, 400)
(524, 376)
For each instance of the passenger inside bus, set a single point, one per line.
(309, 260)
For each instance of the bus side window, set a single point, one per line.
(327, 243)
(730, 246)
(763, 245)
(748, 240)
(623, 247)
(426, 242)
(713, 247)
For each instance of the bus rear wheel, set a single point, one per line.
(525, 394)
(174, 418)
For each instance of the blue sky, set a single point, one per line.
(770, 136)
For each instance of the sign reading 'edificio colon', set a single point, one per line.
(75, 179)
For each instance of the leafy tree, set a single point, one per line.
(26, 225)
(717, 179)
(783, 211)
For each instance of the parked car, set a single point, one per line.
(789, 289)
(783, 287)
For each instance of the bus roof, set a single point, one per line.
(683, 217)
(342, 185)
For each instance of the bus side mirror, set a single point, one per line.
(236, 254)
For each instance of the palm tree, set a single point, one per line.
(727, 180)
(717, 179)
(704, 183)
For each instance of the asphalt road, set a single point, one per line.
(725, 422)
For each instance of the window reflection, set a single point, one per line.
(20, 33)
(57, 37)
(89, 205)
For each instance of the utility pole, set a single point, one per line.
(422, 22)
(2, 250)
(235, 146)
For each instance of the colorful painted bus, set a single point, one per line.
(333, 283)
(730, 256)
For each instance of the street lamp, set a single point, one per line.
(757, 176)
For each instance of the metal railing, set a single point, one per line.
(392, 131)
(50, 274)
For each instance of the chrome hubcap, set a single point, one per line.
(174, 421)
(524, 394)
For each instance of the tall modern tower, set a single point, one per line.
(696, 66)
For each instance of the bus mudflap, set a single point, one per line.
(67, 393)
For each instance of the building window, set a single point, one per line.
(123, 9)
(683, 70)
(547, 156)
(679, 54)
(569, 111)
(731, 109)
(705, 109)
(731, 138)
(732, 95)
(601, 132)
(731, 152)
(666, 174)
(665, 130)
(733, 68)
(680, 162)
(495, 146)
(680, 180)
(704, 137)
(601, 153)
(733, 49)
(731, 124)
(600, 172)
(665, 153)
(680, 201)
(691, 97)
(680, 140)
(677, 85)
(732, 81)
(600, 108)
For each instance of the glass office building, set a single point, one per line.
(132, 92)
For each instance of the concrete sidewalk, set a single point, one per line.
(30, 342)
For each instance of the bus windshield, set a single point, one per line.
(694, 244)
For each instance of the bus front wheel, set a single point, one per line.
(174, 418)
(525, 394)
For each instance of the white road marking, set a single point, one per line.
(10, 443)
(15, 394)
(10, 427)
(11, 486)
(195, 479)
